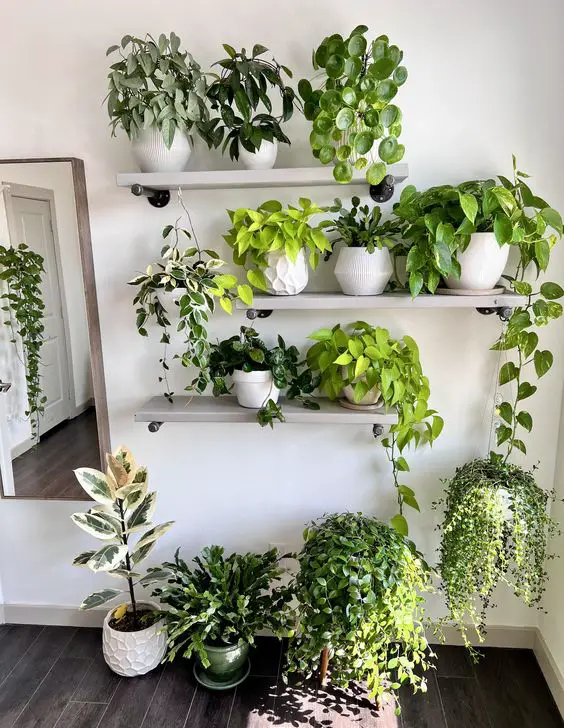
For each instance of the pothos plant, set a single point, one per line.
(238, 92)
(21, 272)
(124, 506)
(155, 84)
(352, 110)
(193, 273)
(363, 357)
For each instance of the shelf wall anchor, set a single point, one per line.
(377, 430)
(155, 426)
(504, 312)
(157, 198)
(383, 191)
(254, 313)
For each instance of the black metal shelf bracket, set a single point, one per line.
(504, 312)
(383, 191)
(254, 313)
(155, 426)
(157, 198)
(377, 430)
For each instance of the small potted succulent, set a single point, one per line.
(237, 94)
(133, 639)
(273, 242)
(364, 265)
(216, 607)
(157, 94)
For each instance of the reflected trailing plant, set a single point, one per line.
(360, 592)
(156, 84)
(21, 272)
(269, 229)
(238, 92)
(351, 112)
(361, 227)
(495, 529)
(364, 357)
(222, 600)
(123, 507)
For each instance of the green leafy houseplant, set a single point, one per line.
(362, 357)
(361, 227)
(123, 507)
(495, 529)
(352, 110)
(238, 92)
(359, 591)
(21, 272)
(269, 229)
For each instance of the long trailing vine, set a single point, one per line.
(21, 270)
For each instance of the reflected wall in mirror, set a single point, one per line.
(43, 205)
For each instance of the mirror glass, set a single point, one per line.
(39, 208)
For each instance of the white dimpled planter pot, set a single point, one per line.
(361, 273)
(481, 264)
(152, 154)
(133, 653)
(263, 158)
(284, 278)
(254, 389)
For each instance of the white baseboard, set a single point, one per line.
(552, 674)
(51, 614)
(80, 408)
(497, 636)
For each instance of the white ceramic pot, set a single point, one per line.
(482, 263)
(284, 278)
(372, 397)
(133, 653)
(152, 154)
(254, 389)
(263, 158)
(361, 273)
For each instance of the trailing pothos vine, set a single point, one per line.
(20, 270)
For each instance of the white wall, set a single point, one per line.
(485, 81)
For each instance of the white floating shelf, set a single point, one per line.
(239, 178)
(226, 409)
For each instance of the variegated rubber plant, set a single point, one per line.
(124, 507)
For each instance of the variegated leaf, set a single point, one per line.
(125, 458)
(95, 484)
(109, 557)
(83, 558)
(99, 598)
(117, 470)
(153, 534)
(133, 494)
(96, 524)
(124, 574)
(141, 515)
(110, 515)
(155, 575)
(139, 554)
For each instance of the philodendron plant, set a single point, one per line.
(352, 111)
(124, 506)
(361, 226)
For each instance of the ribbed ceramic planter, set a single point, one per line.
(284, 278)
(371, 398)
(253, 389)
(361, 273)
(481, 264)
(152, 154)
(229, 667)
(263, 158)
(133, 653)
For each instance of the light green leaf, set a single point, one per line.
(551, 291)
(226, 304)
(525, 420)
(245, 293)
(469, 205)
(400, 524)
(321, 335)
(543, 362)
(99, 598)
(343, 359)
(508, 372)
(225, 280)
(256, 279)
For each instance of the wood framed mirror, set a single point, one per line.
(44, 204)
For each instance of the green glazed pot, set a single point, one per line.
(229, 667)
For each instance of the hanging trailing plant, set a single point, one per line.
(21, 270)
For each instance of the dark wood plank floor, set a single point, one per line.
(55, 677)
(45, 471)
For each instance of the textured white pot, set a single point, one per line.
(263, 158)
(253, 389)
(284, 278)
(133, 653)
(152, 154)
(482, 263)
(361, 273)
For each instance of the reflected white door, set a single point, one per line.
(33, 226)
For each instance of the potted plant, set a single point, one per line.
(364, 366)
(272, 242)
(133, 639)
(192, 279)
(352, 110)
(157, 94)
(237, 93)
(360, 599)
(215, 609)
(364, 265)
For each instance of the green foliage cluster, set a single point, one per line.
(351, 112)
(360, 592)
(156, 84)
(361, 227)
(222, 600)
(238, 92)
(21, 271)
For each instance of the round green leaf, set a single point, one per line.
(348, 95)
(344, 152)
(353, 66)
(387, 149)
(366, 84)
(330, 101)
(379, 48)
(400, 75)
(372, 98)
(343, 172)
(318, 140)
(382, 68)
(304, 89)
(323, 123)
(376, 173)
(363, 142)
(344, 119)
(357, 45)
(389, 115)
(361, 163)
(386, 90)
(394, 54)
(335, 66)
(371, 118)
(336, 46)
(326, 154)
(310, 110)
(321, 55)
(336, 135)
(398, 156)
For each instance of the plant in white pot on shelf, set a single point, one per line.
(157, 94)
(133, 639)
(276, 245)
(237, 94)
(364, 265)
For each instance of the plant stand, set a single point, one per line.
(324, 666)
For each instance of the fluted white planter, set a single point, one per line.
(481, 264)
(263, 158)
(284, 278)
(152, 154)
(133, 653)
(372, 397)
(361, 273)
(254, 389)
